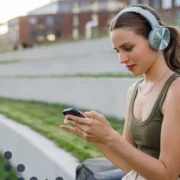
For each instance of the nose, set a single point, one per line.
(123, 58)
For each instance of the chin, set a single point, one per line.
(136, 73)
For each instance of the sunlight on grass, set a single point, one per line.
(78, 75)
(45, 119)
(10, 61)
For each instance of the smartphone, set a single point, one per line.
(72, 111)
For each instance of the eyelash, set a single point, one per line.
(129, 49)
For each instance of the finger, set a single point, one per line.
(73, 123)
(83, 134)
(80, 127)
(79, 120)
(71, 129)
(67, 128)
(87, 135)
(94, 115)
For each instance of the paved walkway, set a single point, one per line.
(41, 157)
(93, 56)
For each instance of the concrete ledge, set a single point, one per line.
(41, 157)
(106, 95)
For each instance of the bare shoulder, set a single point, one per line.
(170, 154)
(173, 95)
(174, 89)
(175, 83)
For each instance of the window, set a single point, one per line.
(177, 2)
(33, 21)
(42, 33)
(49, 21)
(58, 20)
(144, 2)
(167, 4)
(41, 20)
(177, 17)
(13, 38)
(33, 35)
(133, 2)
(154, 4)
(58, 34)
(65, 7)
(16, 28)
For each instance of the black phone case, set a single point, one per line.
(72, 111)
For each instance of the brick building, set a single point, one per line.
(75, 19)
(62, 19)
(168, 9)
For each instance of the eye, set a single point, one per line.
(128, 49)
(116, 51)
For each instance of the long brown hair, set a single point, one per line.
(142, 27)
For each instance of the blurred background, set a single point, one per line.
(56, 54)
(55, 21)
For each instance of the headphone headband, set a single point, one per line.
(159, 36)
(145, 13)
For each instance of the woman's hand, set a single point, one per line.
(94, 128)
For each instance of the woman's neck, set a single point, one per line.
(158, 70)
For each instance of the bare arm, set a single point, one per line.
(122, 150)
(122, 163)
(167, 167)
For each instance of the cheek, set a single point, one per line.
(136, 56)
(142, 54)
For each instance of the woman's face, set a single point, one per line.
(133, 50)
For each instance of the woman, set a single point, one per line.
(149, 147)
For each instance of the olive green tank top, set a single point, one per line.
(146, 134)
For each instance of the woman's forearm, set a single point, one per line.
(150, 168)
(122, 164)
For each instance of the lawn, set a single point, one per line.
(45, 119)
(10, 61)
(78, 75)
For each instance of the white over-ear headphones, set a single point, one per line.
(159, 37)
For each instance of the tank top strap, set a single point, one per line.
(164, 90)
(134, 94)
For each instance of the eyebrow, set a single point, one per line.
(127, 43)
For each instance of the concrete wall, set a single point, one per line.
(106, 95)
(42, 158)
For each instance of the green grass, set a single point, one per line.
(10, 61)
(78, 75)
(12, 174)
(45, 119)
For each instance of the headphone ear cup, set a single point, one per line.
(159, 38)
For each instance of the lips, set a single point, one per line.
(130, 67)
